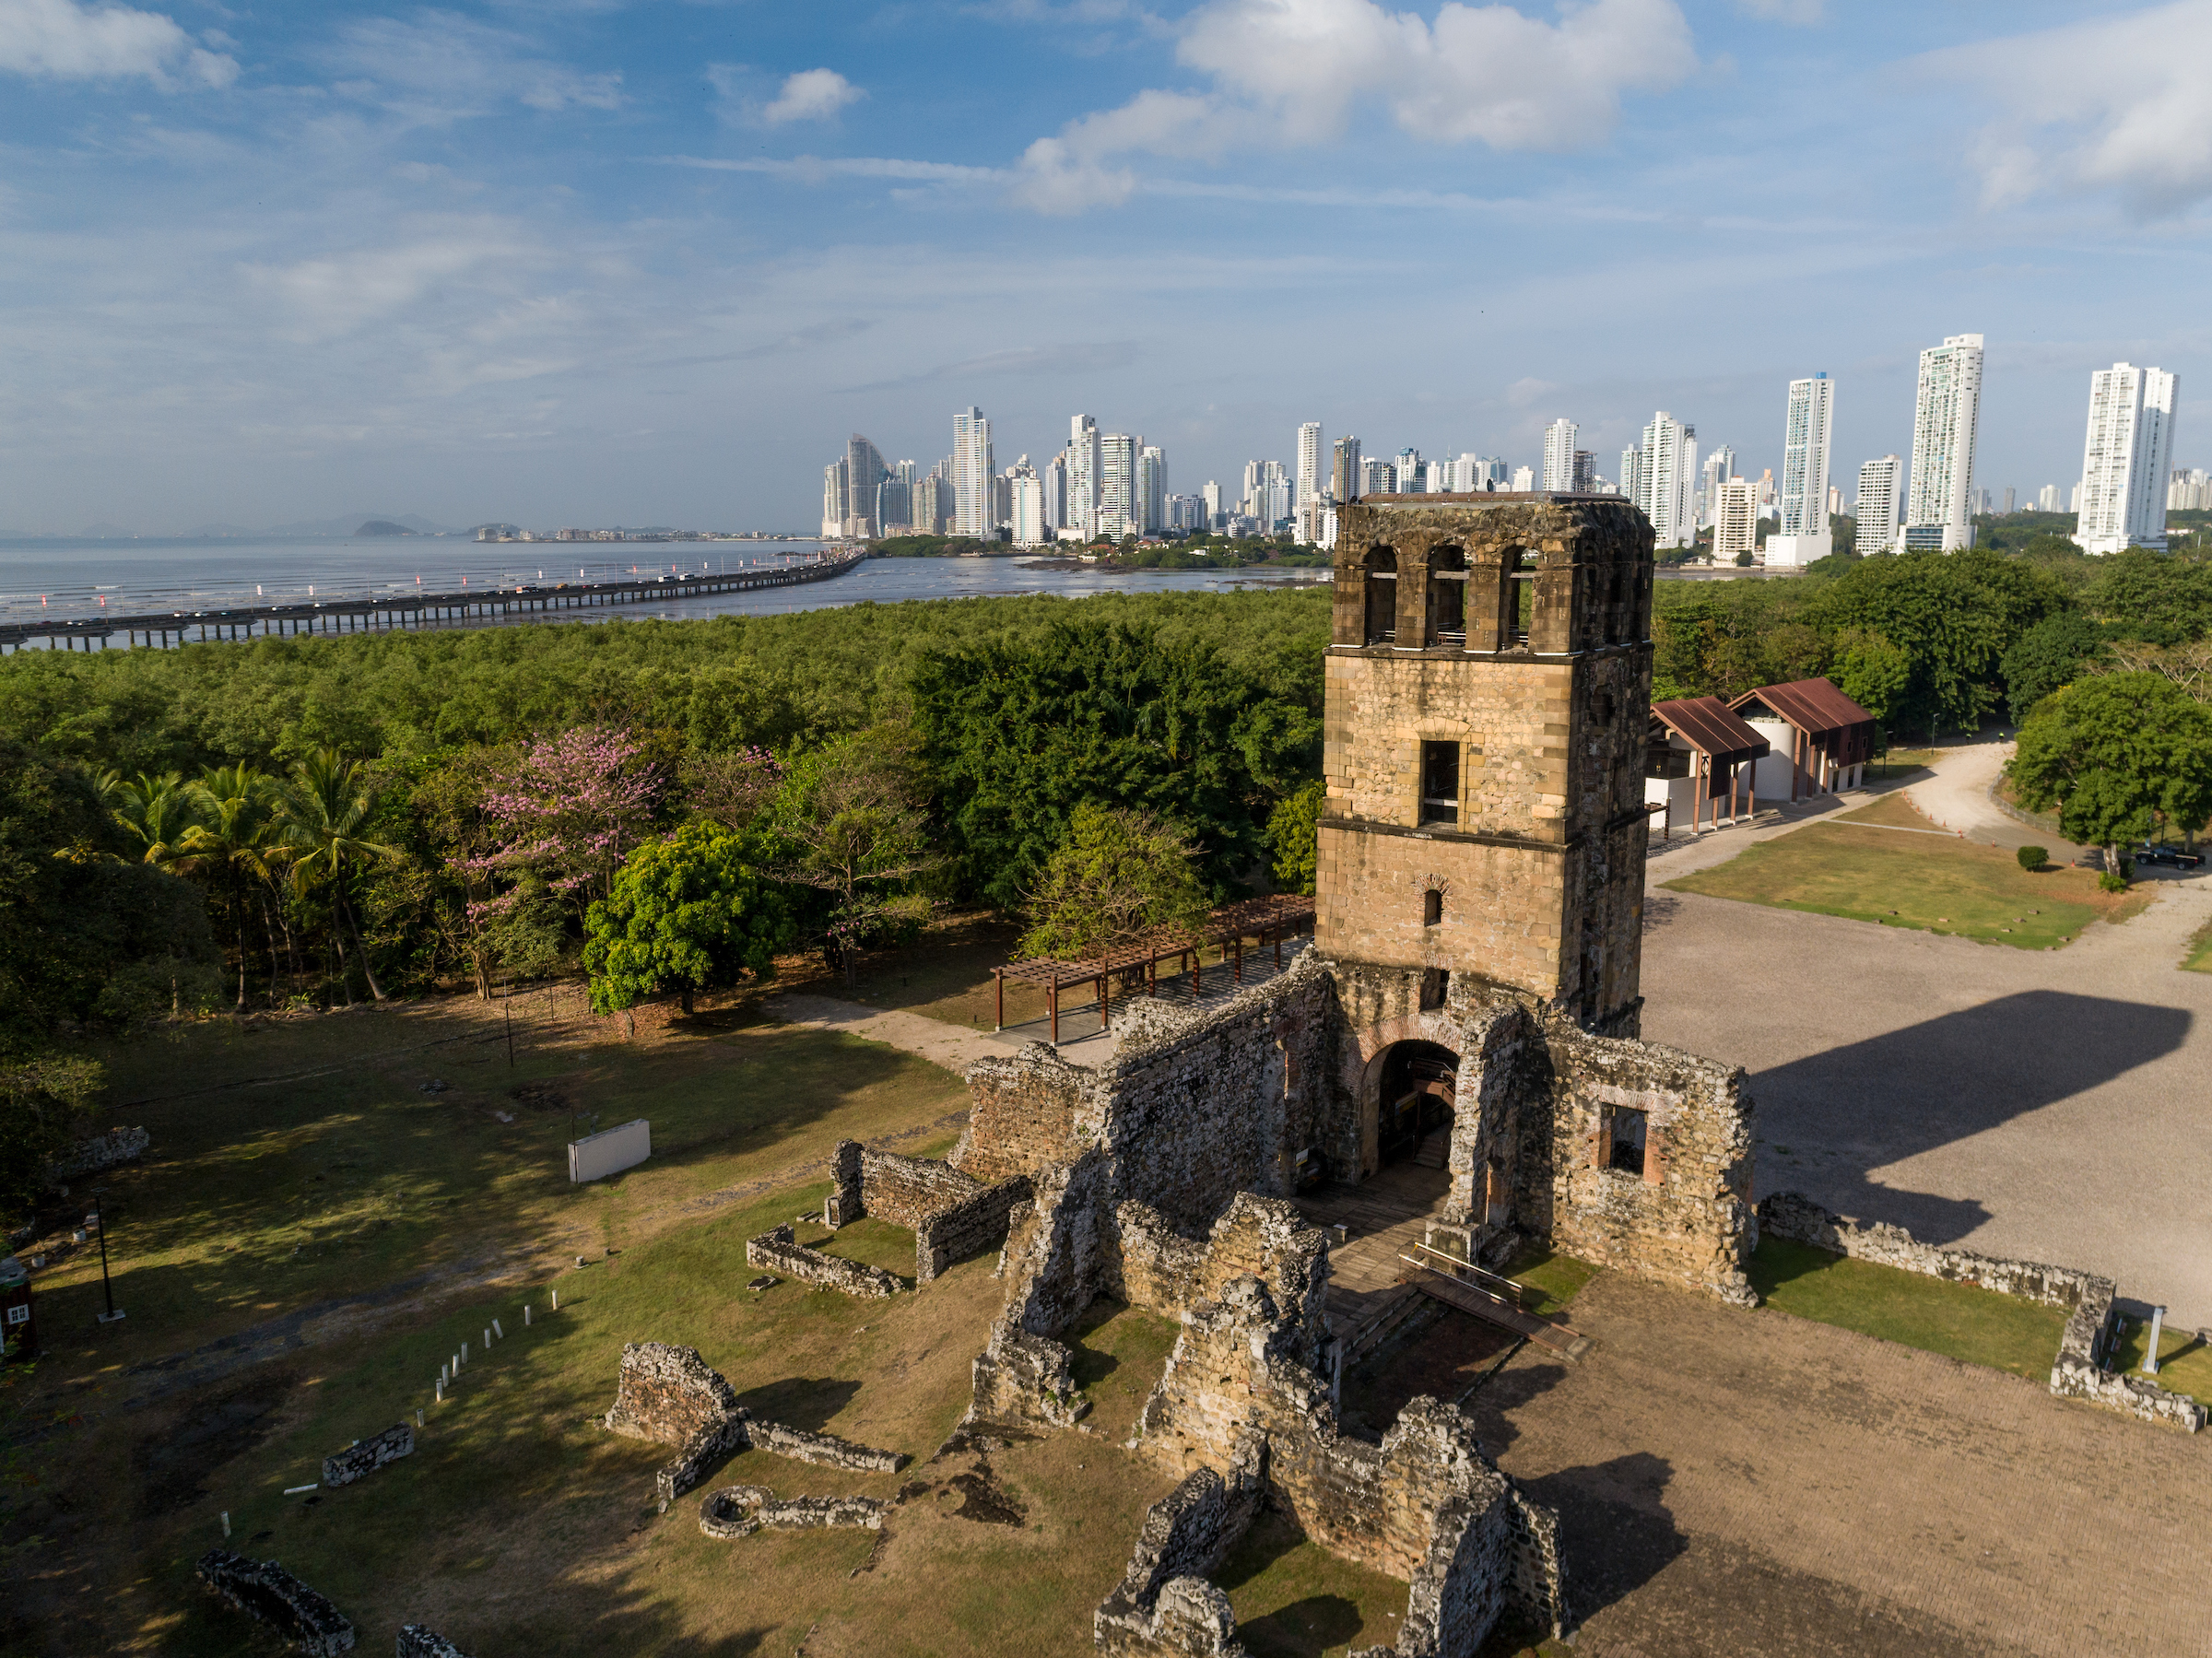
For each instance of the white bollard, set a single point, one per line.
(556, 1300)
(295, 1490)
(463, 1352)
(488, 1338)
(226, 1522)
(497, 1331)
(418, 1415)
(442, 1390)
(440, 1375)
(2150, 1356)
(525, 1313)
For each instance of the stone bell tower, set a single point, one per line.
(1489, 679)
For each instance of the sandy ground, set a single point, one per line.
(2056, 1105)
(1748, 1483)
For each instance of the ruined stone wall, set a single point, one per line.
(668, 1393)
(1425, 1505)
(778, 1251)
(356, 1461)
(1686, 1218)
(1163, 1604)
(908, 1191)
(1022, 1114)
(971, 1228)
(1261, 1238)
(265, 1592)
(1193, 1110)
(415, 1642)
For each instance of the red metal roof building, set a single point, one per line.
(1821, 740)
(1699, 750)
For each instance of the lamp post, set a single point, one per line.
(100, 1220)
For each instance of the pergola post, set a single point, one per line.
(998, 979)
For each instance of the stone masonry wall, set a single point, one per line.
(1261, 1238)
(1687, 1218)
(908, 1191)
(265, 1591)
(1022, 1114)
(973, 1227)
(668, 1393)
(777, 1251)
(415, 1642)
(1235, 1373)
(1163, 1603)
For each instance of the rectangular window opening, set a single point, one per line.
(1440, 783)
(1626, 1136)
(1435, 983)
(1432, 906)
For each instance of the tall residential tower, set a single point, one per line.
(1804, 535)
(1947, 410)
(2126, 459)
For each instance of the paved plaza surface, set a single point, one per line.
(2051, 1105)
(1743, 1482)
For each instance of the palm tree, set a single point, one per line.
(233, 844)
(321, 809)
(157, 809)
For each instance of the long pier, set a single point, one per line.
(419, 609)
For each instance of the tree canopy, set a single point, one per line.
(2115, 754)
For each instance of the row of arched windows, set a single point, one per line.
(1445, 611)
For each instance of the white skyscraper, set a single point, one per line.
(1718, 468)
(1152, 489)
(1524, 479)
(1558, 455)
(1211, 496)
(1026, 506)
(1082, 458)
(1053, 478)
(833, 499)
(1631, 473)
(1945, 412)
(1311, 458)
(2125, 458)
(971, 474)
(2046, 500)
(1120, 512)
(1734, 521)
(1880, 499)
(1666, 474)
(1804, 535)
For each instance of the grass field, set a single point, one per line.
(1958, 1320)
(1875, 864)
(2199, 960)
(2184, 1361)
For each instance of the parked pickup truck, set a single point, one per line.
(2173, 857)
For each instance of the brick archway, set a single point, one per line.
(1367, 1052)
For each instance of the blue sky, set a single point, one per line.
(600, 263)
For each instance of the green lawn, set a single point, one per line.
(260, 1200)
(2184, 1361)
(1294, 1599)
(2199, 960)
(1958, 1320)
(1557, 1278)
(1868, 865)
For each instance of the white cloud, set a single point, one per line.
(811, 95)
(68, 42)
(1290, 72)
(337, 294)
(443, 66)
(2118, 104)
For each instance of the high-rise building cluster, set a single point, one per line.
(1112, 486)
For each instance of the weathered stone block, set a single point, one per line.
(740, 1511)
(343, 1467)
(415, 1642)
(668, 1393)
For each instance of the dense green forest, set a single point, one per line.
(325, 818)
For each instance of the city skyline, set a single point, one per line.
(617, 263)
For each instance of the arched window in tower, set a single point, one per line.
(1448, 597)
(1433, 908)
(1516, 599)
(1381, 596)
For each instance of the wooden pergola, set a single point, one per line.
(1268, 920)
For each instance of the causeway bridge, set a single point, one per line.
(468, 606)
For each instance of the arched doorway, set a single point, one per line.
(1412, 1102)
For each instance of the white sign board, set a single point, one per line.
(609, 1151)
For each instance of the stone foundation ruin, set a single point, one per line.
(952, 1215)
(740, 1511)
(672, 1396)
(265, 1592)
(366, 1456)
(778, 1251)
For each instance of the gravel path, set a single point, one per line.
(1752, 1484)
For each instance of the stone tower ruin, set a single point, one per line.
(1490, 676)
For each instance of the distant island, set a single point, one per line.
(383, 526)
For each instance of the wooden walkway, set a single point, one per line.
(1382, 1219)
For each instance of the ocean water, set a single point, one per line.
(64, 579)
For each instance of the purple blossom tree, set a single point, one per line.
(566, 812)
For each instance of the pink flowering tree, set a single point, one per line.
(562, 818)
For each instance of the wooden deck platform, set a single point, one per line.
(1382, 1219)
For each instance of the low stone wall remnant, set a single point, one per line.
(668, 1393)
(116, 1146)
(265, 1591)
(779, 1251)
(1163, 1603)
(2077, 1372)
(343, 1467)
(973, 1227)
(953, 1215)
(740, 1511)
(823, 1450)
(415, 1642)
